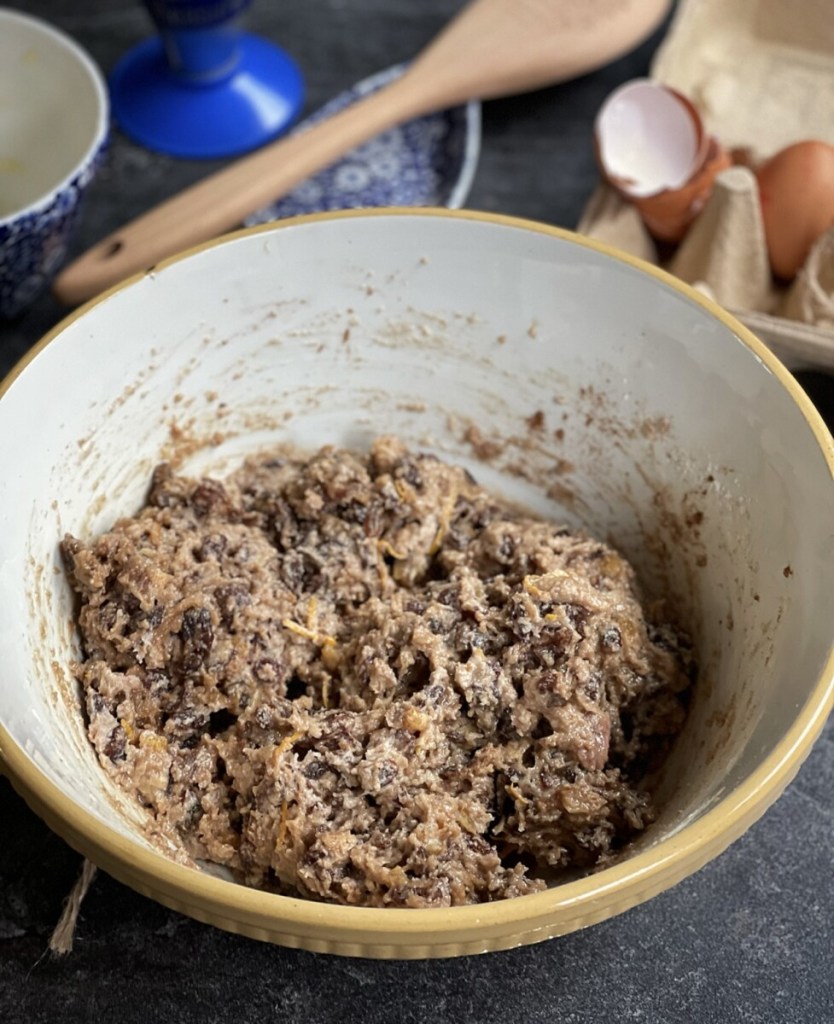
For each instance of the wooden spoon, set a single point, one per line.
(492, 48)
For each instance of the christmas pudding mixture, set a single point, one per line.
(364, 679)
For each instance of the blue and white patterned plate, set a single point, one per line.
(429, 161)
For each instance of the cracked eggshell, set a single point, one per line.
(652, 148)
(649, 139)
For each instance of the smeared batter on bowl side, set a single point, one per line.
(364, 679)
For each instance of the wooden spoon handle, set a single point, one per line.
(221, 201)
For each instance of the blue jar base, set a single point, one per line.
(165, 112)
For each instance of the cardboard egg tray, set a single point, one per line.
(761, 73)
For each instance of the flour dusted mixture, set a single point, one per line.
(366, 680)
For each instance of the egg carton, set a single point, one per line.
(761, 74)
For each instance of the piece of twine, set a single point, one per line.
(62, 937)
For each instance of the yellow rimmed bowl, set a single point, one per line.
(592, 387)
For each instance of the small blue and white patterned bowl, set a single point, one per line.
(429, 161)
(53, 132)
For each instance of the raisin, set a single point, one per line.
(114, 748)
(97, 702)
(612, 639)
(197, 638)
(155, 616)
(212, 548)
(263, 716)
(578, 617)
(230, 598)
(187, 724)
(157, 682)
(300, 572)
(267, 717)
(313, 768)
(209, 497)
(448, 596)
(467, 637)
(335, 730)
(352, 512)
(435, 694)
(314, 855)
(412, 474)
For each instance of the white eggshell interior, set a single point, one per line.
(661, 431)
(52, 107)
(647, 138)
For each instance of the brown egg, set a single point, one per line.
(796, 187)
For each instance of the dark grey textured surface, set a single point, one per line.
(747, 939)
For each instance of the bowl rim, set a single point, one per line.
(297, 921)
(99, 137)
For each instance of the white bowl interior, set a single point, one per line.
(51, 109)
(661, 431)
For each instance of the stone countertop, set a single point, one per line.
(747, 939)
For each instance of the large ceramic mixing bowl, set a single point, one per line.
(591, 387)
